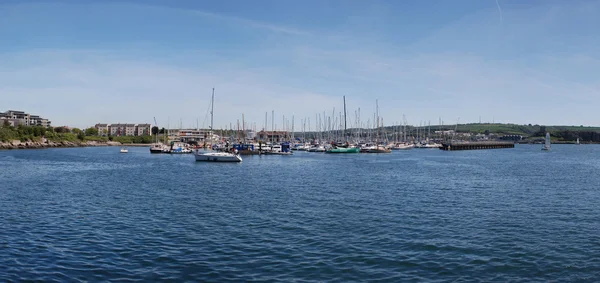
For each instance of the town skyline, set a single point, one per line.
(79, 63)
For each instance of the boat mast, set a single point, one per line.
(243, 129)
(377, 130)
(345, 138)
(212, 107)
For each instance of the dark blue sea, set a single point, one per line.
(93, 214)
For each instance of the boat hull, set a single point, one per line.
(217, 157)
(276, 153)
(376, 150)
(403, 147)
(343, 150)
(248, 152)
(180, 152)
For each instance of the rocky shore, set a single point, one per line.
(16, 144)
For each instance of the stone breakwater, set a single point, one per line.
(16, 144)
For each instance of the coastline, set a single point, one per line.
(16, 144)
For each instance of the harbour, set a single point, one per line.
(413, 216)
(314, 141)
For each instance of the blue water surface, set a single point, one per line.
(93, 214)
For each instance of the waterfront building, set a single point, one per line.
(16, 118)
(102, 129)
(11, 122)
(124, 129)
(190, 135)
(274, 136)
(143, 130)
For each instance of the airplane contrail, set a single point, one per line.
(500, 10)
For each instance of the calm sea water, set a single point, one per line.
(93, 214)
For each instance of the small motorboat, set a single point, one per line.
(218, 157)
(124, 150)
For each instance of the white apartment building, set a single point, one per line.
(16, 118)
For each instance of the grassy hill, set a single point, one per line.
(558, 132)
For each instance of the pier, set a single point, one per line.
(476, 145)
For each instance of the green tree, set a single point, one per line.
(6, 123)
(37, 131)
(91, 131)
(61, 130)
(154, 130)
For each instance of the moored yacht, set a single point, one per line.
(403, 146)
(216, 156)
(157, 148)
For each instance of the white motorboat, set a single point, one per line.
(124, 150)
(403, 146)
(218, 157)
(317, 148)
(179, 148)
(427, 145)
(158, 148)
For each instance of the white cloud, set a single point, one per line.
(115, 90)
(101, 88)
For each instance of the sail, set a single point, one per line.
(547, 144)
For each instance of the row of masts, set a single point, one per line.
(329, 128)
(335, 128)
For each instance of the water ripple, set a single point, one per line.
(92, 214)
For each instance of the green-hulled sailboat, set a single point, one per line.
(345, 148)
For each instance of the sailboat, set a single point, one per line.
(343, 148)
(377, 148)
(547, 143)
(578, 141)
(216, 156)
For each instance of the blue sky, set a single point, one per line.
(83, 62)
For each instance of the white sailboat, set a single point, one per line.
(578, 141)
(216, 156)
(547, 142)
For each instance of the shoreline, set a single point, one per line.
(63, 144)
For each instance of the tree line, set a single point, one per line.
(57, 134)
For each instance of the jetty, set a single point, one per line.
(476, 145)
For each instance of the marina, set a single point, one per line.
(314, 141)
(171, 219)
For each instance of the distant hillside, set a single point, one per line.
(529, 132)
(563, 133)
